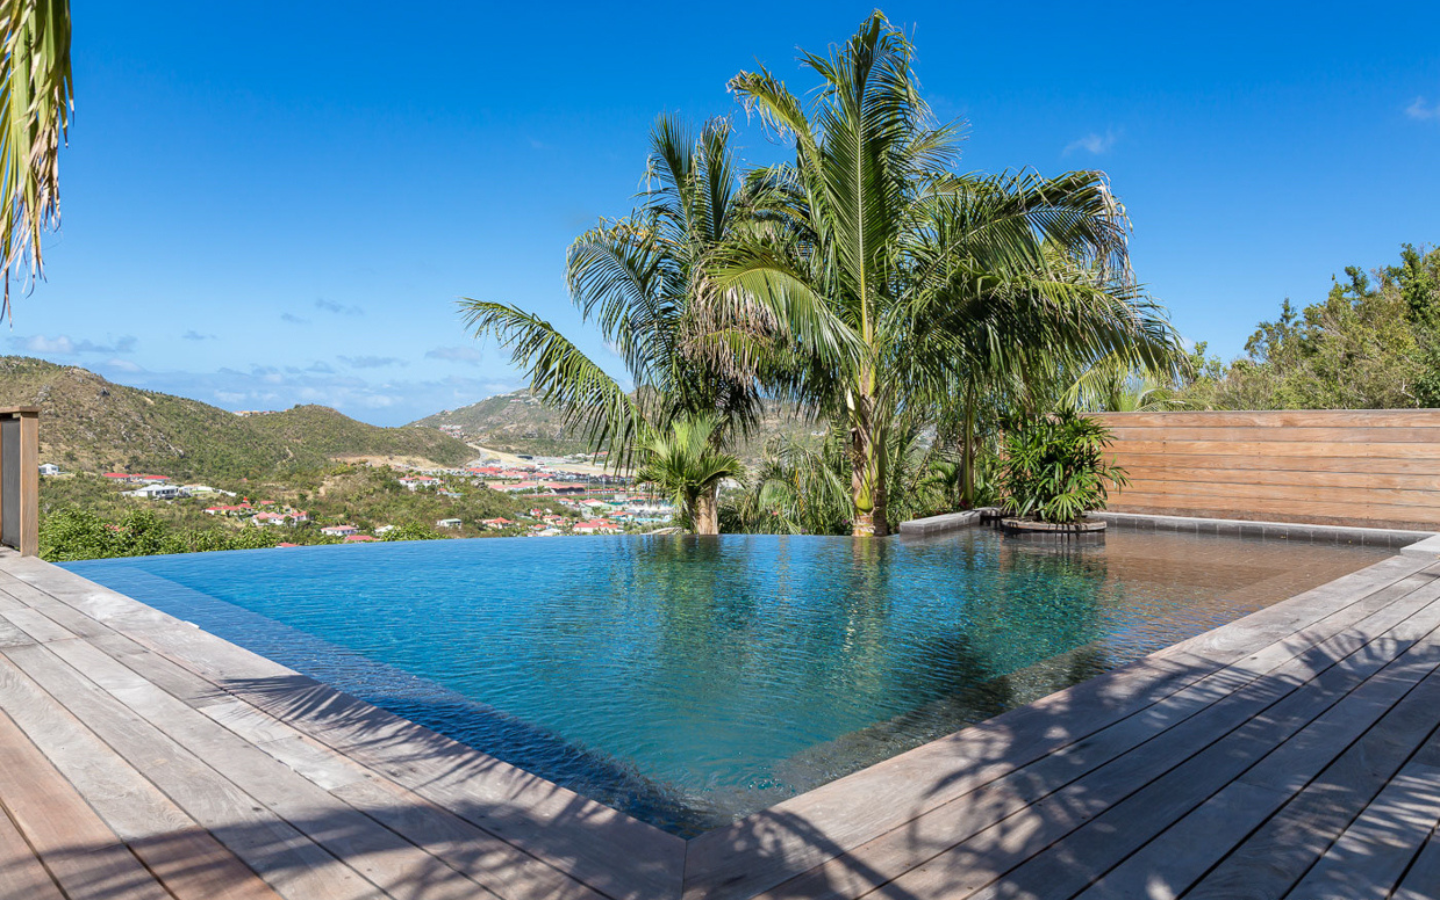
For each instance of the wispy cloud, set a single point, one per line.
(1420, 110)
(456, 354)
(124, 365)
(197, 336)
(371, 362)
(293, 319)
(1093, 143)
(64, 345)
(338, 309)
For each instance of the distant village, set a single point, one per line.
(565, 502)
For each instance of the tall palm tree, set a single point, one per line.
(897, 276)
(641, 280)
(35, 105)
(685, 464)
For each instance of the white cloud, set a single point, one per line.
(1420, 110)
(293, 319)
(124, 365)
(197, 336)
(1093, 143)
(338, 308)
(371, 362)
(64, 345)
(456, 354)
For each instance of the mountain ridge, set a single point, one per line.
(88, 423)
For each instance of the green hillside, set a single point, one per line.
(90, 424)
(516, 422)
(519, 423)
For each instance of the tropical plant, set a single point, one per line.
(684, 464)
(36, 93)
(1055, 468)
(802, 486)
(901, 284)
(641, 279)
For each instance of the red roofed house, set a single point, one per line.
(596, 526)
(359, 539)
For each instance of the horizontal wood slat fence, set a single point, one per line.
(1370, 468)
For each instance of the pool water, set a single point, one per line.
(690, 681)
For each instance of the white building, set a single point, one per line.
(49, 469)
(449, 523)
(157, 492)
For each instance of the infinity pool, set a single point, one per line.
(690, 681)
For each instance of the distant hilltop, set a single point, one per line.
(89, 424)
(518, 422)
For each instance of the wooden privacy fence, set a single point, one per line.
(1373, 468)
(20, 478)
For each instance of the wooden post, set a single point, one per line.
(20, 478)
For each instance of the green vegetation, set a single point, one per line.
(70, 534)
(686, 465)
(1372, 343)
(1055, 468)
(36, 90)
(84, 516)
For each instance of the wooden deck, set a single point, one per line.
(1291, 754)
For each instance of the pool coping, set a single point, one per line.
(598, 846)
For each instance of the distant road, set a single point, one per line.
(512, 460)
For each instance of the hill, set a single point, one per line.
(90, 424)
(517, 422)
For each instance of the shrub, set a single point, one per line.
(1055, 468)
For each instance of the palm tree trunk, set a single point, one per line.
(706, 511)
(967, 451)
(867, 466)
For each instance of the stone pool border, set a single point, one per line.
(621, 857)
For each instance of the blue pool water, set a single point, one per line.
(689, 681)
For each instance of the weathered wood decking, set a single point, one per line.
(1293, 753)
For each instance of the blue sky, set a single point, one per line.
(268, 204)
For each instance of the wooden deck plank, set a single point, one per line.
(385, 858)
(286, 859)
(21, 872)
(1368, 860)
(1279, 853)
(130, 805)
(85, 857)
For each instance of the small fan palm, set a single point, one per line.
(684, 464)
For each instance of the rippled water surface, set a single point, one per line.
(689, 681)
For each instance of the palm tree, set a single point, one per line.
(35, 105)
(684, 464)
(641, 279)
(898, 278)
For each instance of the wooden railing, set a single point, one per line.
(20, 478)
(1375, 468)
